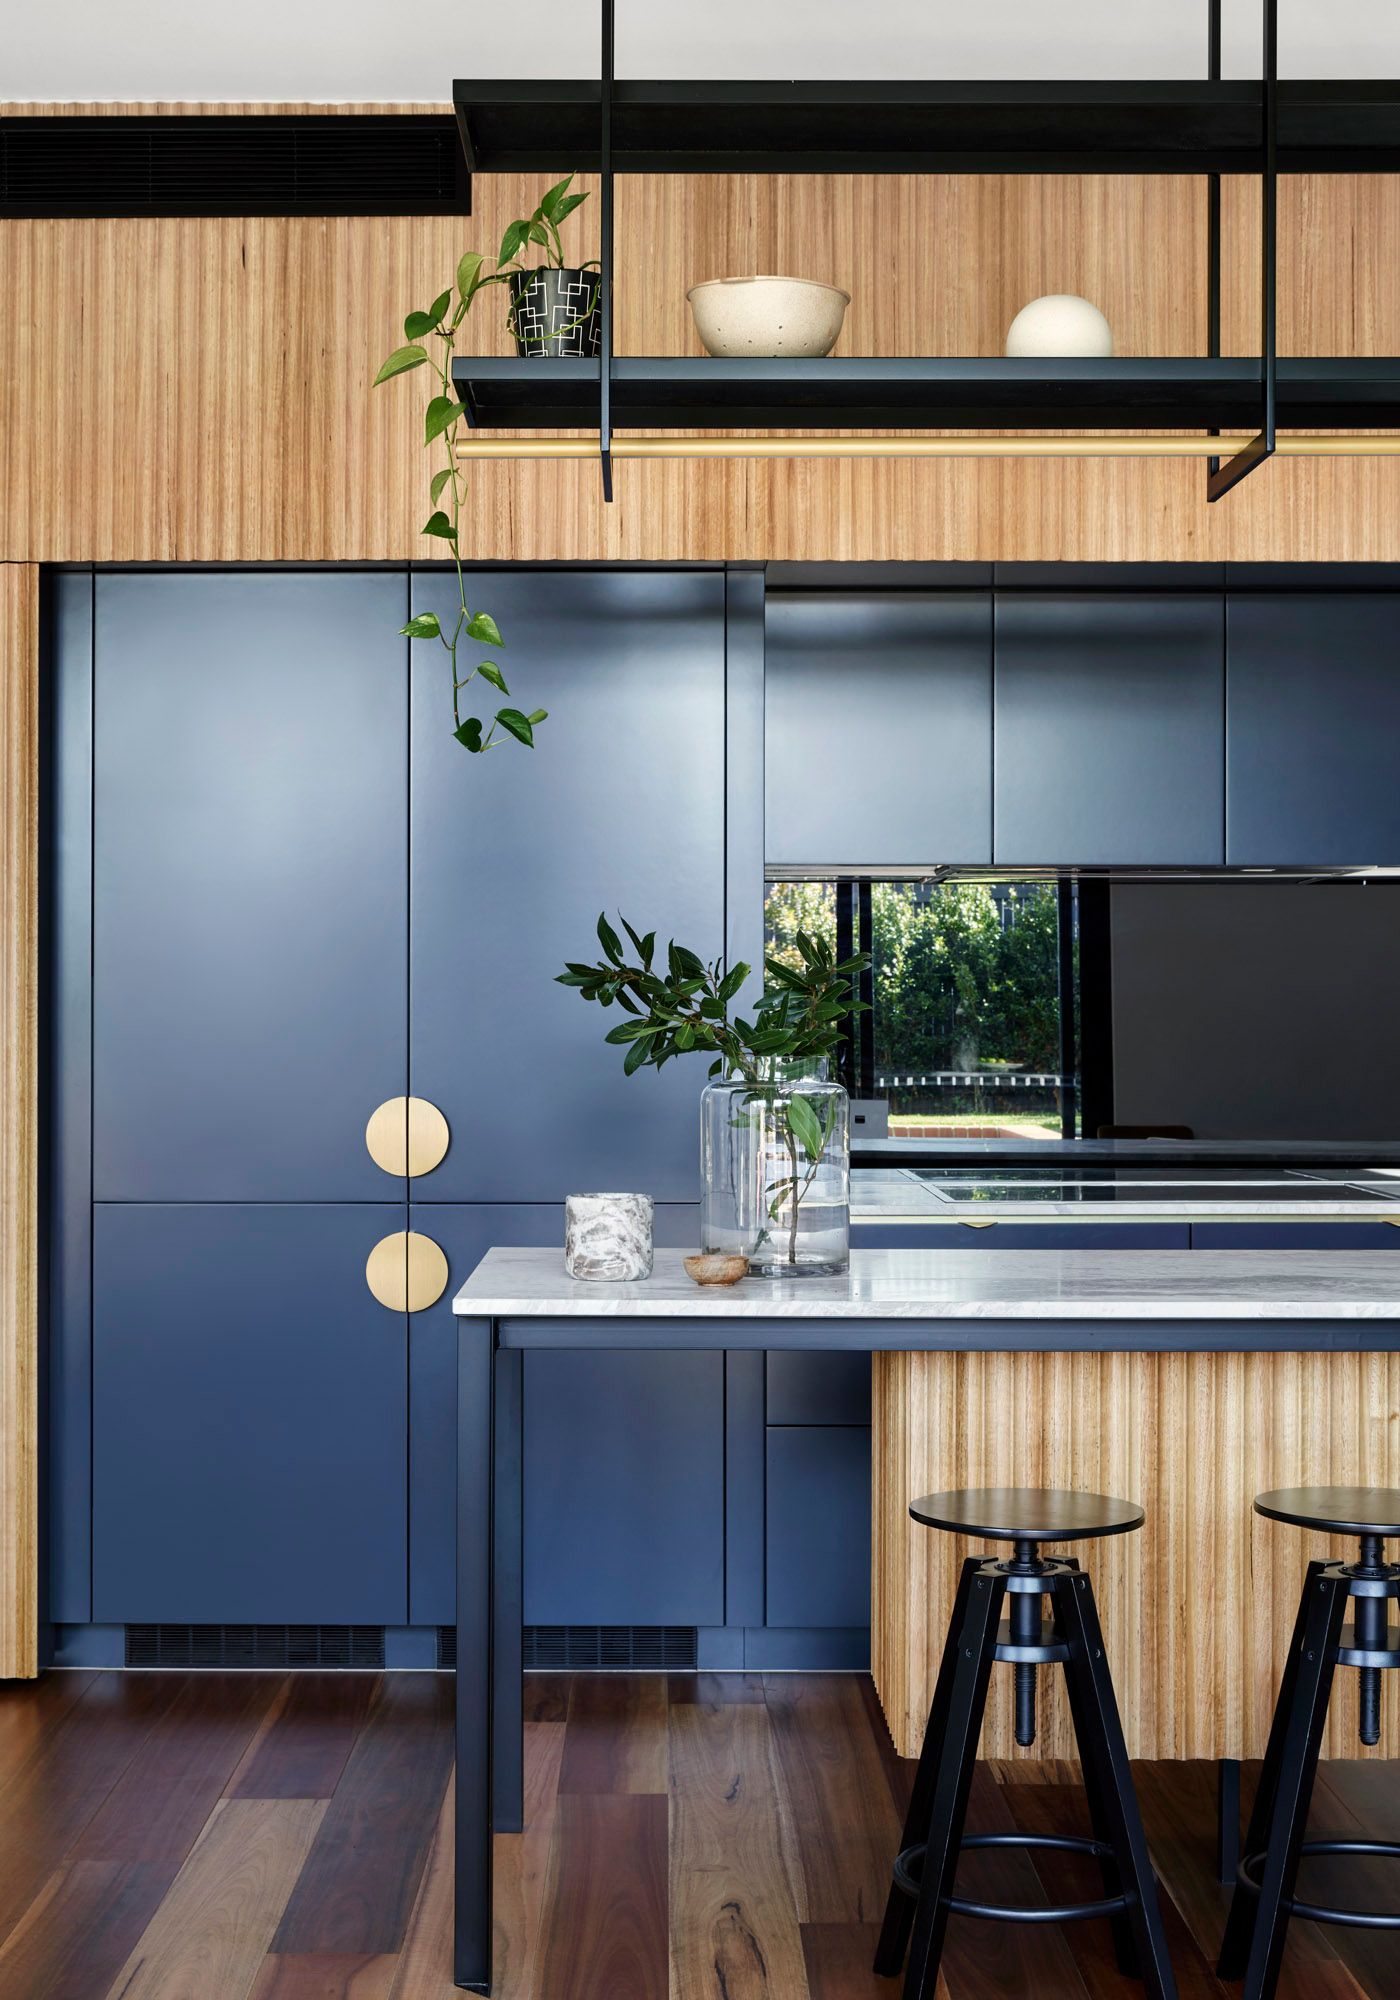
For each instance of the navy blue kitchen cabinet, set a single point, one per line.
(1109, 728)
(1265, 1235)
(620, 806)
(250, 849)
(624, 1507)
(1313, 716)
(818, 1525)
(878, 727)
(250, 1416)
(818, 1388)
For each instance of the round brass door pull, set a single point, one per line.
(407, 1136)
(406, 1271)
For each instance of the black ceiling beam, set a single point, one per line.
(1191, 126)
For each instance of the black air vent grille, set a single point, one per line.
(255, 1646)
(590, 1647)
(355, 163)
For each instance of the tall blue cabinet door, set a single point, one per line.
(620, 806)
(580, 1551)
(249, 922)
(878, 727)
(1110, 728)
(1312, 721)
(249, 1416)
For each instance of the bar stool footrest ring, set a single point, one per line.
(1247, 1875)
(909, 1868)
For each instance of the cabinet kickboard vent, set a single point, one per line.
(288, 1646)
(275, 163)
(594, 1647)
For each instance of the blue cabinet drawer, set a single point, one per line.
(818, 1388)
(1296, 1235)
(818, 1527)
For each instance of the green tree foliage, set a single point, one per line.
(961, 973)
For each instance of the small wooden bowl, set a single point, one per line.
(717, 1267)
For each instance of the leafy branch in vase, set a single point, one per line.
(800, 1019)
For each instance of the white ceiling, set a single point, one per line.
(353, 50)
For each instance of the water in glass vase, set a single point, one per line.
(775, 1174)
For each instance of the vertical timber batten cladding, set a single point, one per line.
(1197, 1607)
(198, 390)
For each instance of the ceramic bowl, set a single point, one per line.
(716, 1267)
(767, 316)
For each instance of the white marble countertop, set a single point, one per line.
(956, 1285)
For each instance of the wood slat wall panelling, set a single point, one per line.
(1197, 1606)
(218, 371)
(19, 1117)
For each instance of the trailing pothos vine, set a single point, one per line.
(430, 341)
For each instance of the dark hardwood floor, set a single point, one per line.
(226, 1837)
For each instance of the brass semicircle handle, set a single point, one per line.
(406, 1271)
(407, 1136)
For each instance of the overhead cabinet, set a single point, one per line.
(1109, 728)
(1312, 724)
(878, 728)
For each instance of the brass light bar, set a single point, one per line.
(1129, 444)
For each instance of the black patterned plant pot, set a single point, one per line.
(555, 312)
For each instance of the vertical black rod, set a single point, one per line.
(1069, 1068)
(1269, 330)
(605, 300)
(1213, 225)
(865, 987)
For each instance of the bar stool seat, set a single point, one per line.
(922, 1893)
(1028, 1514)
(1266, 1875)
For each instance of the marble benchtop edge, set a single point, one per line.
(511, 1283)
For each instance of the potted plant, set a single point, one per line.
(774, 1135)
(430, 339)
(553, 305)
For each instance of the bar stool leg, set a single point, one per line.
(1102, 1748)
(1244, 1908)
(977, 1642)
(1124, 1947)
(1307, 1715)
(899, 1909)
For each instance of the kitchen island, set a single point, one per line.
(1188, 1380)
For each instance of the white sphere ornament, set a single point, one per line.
(1059, 324)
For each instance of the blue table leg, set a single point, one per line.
(476, 1342)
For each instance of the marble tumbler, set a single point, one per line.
(607, 1236)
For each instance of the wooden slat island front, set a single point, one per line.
(1187, 1380)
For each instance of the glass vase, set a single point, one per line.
(775, 1174)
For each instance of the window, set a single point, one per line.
(968, 1031)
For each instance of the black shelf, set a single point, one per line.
(694, 393)
(1183, 127)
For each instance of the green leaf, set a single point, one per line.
(484, 629)
(490, 672)
(539, 234)
(537, 715)
(469, 735)
(468, 274)
(732, 981)
(519, 725)
(689, 963)
(439, 306)
(439, 480)
(566, 208)
(551, 198)
(609, 939)
(424, 626)
(399, 362)
(635, 1057)
(513, 242)
(438, 524)
(416, 325)
(441, 413)
(806, 1127)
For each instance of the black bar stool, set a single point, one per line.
(1274, 1845)
(922, 1894)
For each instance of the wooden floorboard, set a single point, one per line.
(697, 1837)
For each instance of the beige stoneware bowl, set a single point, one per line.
(768, 316)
